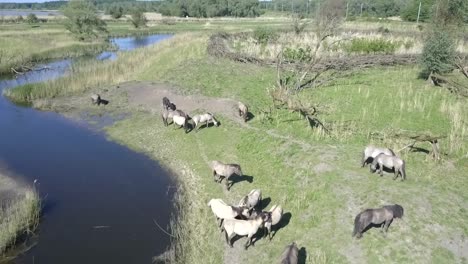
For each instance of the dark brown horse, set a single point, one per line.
(380, 216)
(168, 105)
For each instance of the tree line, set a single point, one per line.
(406, 9)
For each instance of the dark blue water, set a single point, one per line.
(100, 198)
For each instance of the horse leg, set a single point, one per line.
(249, 242)
(227, 183)
(381, 169)
(229, 239)
(396, 173)
(221, 224)
(387, 224)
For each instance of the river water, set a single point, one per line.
(100, 198)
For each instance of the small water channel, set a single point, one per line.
(101, 199)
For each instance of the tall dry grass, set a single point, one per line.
(19, 212)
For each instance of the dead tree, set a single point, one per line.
(420, 138)
(292, 79)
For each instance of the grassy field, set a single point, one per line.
(19, 213)
(316, 178)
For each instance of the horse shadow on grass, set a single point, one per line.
(264, 203)
(236, 179)
(285, 219)
(250, 116)
(302, 257)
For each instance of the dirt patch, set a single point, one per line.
(457, 244)
(149, 96)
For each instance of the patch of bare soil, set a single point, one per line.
(149, 96)
(457, 244)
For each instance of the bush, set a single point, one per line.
(32, 19)
(300, 54)
(19, 19)
(383, 30)
(138, 18)
(82, 19)
(438, 53)
(264, 35)
(116, 11)
(362, 45)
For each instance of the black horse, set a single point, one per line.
(380, 216)
(168, 105)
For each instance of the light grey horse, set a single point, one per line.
(204, 118)
(370, 152)
(290, 254)
(248, 228)
(377, 216)
(243, 111)
(178, 118)
(221, 171)
(390, 162)
(252, 199)
(96, 99)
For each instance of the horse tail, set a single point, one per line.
(357, 224)
(403, 170)
(398, 211)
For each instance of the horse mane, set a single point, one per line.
(181, 113)
(391, 151)
(396, 209)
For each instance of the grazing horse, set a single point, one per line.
(96, 99)
(243, 111)
(178, 117)
(391, 162)
(290, 254)
(276, 213)
(221, 171)
(247, 228)
(224, 211)
(168, 105)
(372, 152)
(252, 199)
(204, 118)
(377, 216)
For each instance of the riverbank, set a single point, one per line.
(316, 178)
(19, 215)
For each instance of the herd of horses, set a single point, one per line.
(247, 217)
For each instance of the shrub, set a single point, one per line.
(138, 18)
(438, 53)
(264, 35)
(363, 45)
(32, 19)
(300, 54)
(19, 19)
(383, 30)
(82, 19)
(116, 11)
